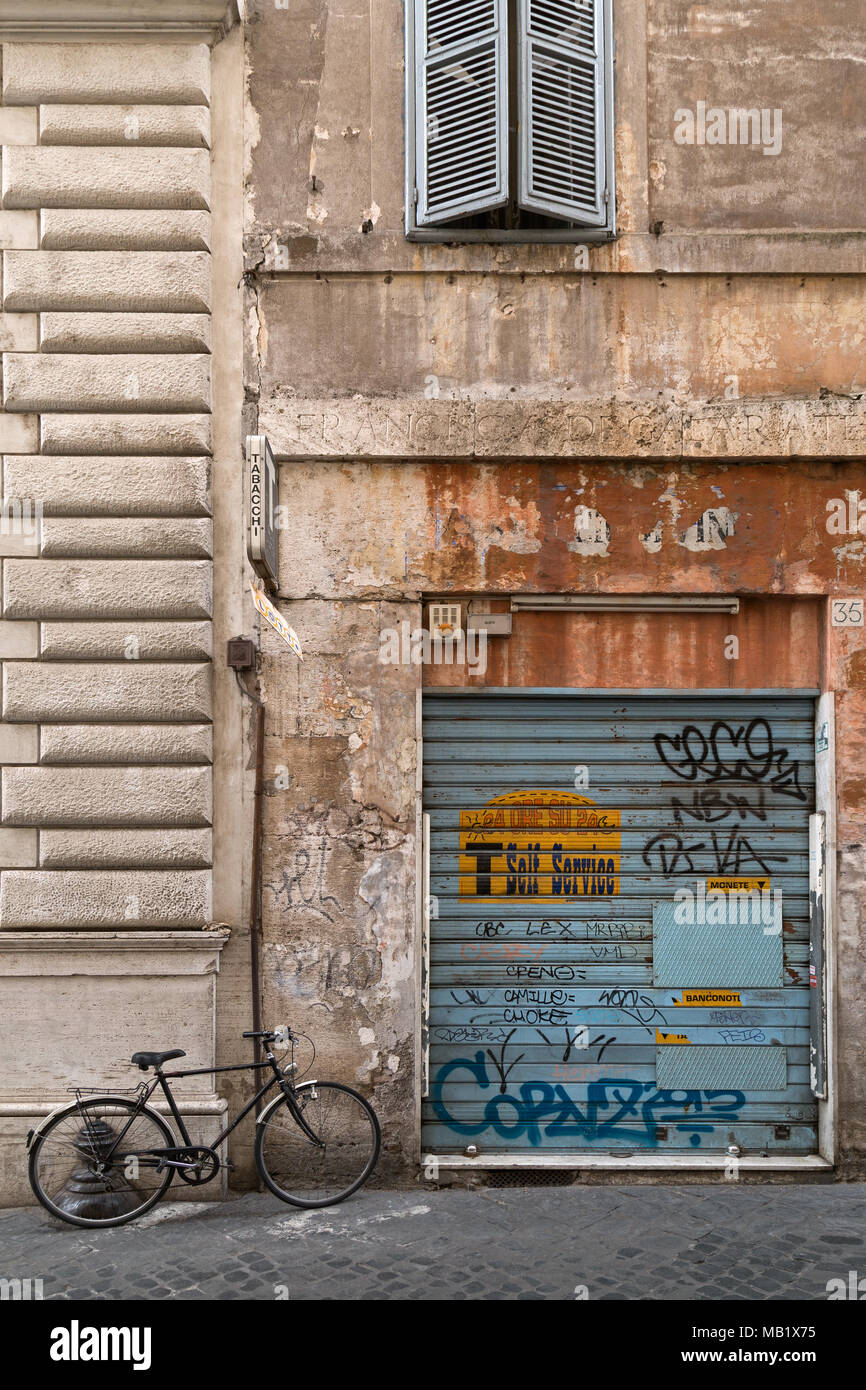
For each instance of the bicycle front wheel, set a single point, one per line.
(97, 1163)
(318, 1174)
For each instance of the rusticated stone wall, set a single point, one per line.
(107, 595)
(113, 713)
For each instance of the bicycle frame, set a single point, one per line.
(161, 1080)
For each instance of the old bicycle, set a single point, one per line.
(103, 1159)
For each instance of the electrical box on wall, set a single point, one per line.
(494, 624)
(446, 620)
(241, 653)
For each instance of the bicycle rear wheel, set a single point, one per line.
(309, 1174)
(93, 1164)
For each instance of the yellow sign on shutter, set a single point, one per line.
(545, 846)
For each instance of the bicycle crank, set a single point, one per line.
(195, 1165)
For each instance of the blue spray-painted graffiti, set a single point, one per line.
(539, 1109)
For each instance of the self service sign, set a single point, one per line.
(545, 845)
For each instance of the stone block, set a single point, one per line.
(130, 641)
(58, 176)
(129, 126)
(128, 898)
(141, 485)
(128, 744)
(106, 796)
(19, 743)
(132, 281)
(111, 589)
(92, 229)
(47, 381)
(117, 333)
(105, 73)
(19, 434)
(19, 540)
(19, 125)
(123, 434)
(133, 691)
(107, 848)
(144, 536)
(19, 333)
(18, 639)
(19, 848)
(19, 231)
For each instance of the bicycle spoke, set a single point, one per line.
(319, 1174)
(79, 1173)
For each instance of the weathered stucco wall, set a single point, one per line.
(776, 56)
(564, 337)
(339, 876)
(326, 88)
(370, 529)
(671, 413)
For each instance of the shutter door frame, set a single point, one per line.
(599, 1154)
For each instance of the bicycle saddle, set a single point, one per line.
(154, 1059)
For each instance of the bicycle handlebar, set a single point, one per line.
(268, 1034)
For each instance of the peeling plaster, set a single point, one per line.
(854, 551)
(369, 217)
(710, 530)
(591, 532)
(652, 541)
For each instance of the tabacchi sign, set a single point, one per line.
(546, 845)
(262, 544)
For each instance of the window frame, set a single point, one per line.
(454, 233)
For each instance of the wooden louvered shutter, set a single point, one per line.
(563, 109)
(462, 108)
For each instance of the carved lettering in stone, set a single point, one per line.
(550, 429)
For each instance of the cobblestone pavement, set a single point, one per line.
(628, 1242)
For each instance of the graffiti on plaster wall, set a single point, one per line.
(303, 884)
(615, 1107)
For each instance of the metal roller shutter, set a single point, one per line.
(569, 832)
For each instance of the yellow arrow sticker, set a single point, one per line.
(738, 885)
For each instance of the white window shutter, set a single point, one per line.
(461, 60)
(563, 109)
